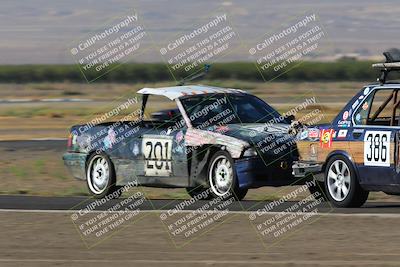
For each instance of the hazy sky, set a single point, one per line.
(43, 31)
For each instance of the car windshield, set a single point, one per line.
(228, 109)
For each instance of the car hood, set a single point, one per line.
(253, 132)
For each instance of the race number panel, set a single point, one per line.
(157, 151)
(377, 148)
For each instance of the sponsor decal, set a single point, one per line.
(355, 104)
(361, 97)
(326, 138)
(179, 149)
(179, 137)
(110, 139)
(304, 135)
(345, 115)
(366, 90)
(83, 141)
(342, 133)
(377, 148)
(313, 133)
(365, 106)
(135, 149)
(343, 123)
(222, 128)
(358, 117)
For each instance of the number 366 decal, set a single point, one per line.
(377, 148)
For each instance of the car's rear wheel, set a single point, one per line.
(341, 184)
(100, 176)
(222, 177)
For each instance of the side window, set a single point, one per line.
(377, 109)
(361, 114)
(161, 109)
(210, 110)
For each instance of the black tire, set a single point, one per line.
(231, 180)
(318, 191)
(108, 186)
(195, 192)
(356, 195)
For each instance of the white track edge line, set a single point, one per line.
(382, 215)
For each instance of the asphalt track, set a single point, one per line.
(34, 203)
(38, 231)
(21, 202)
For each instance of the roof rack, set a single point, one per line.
(392, 64)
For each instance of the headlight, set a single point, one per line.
(250, 152)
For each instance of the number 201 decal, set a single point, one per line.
(377, 148)
(158, 155)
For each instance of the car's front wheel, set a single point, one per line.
(222, 177)
(342, 185)
(100, 177)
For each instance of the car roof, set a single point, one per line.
(389, 85)
(187, 90)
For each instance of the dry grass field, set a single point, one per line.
(36, 119)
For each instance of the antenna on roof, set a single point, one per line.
(195, 76)
(392, 64)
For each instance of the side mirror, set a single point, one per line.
(291, 118)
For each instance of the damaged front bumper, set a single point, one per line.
(255, 172)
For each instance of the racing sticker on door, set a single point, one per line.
(377, 148)
(157, 152)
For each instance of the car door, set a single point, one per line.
(374, 137)
(163, 154)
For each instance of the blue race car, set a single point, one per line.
(359, 151)
(215, 139)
